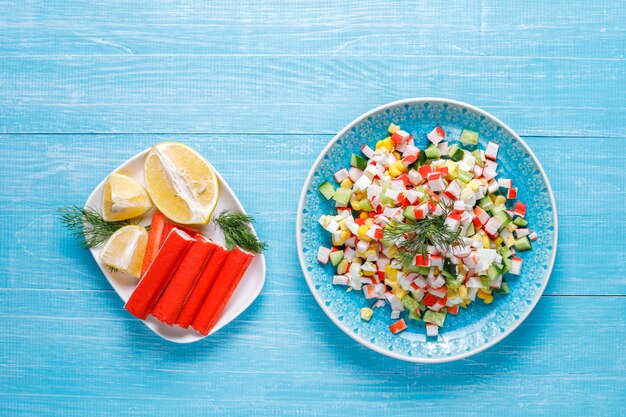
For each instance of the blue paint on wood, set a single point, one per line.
(260, 88)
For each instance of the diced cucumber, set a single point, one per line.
(421, 159)
(449, 267)
(435, 317)
(365, 205)
(456, 153)
(493, 272)
(506, 264)
(327, 190)
(520, 221)
(409, 213)
(505, 252)
(479, 159)
(336, 257)
(469, 137)
(410, 302)
(485, 281)
(358, 161)
(470, 230)
(504, 218)
(465, 176)
(414, 316)
(432, 152)
(423, 270)
(523, 243)
(447, 275)
(342, 195)
(485, 203)
(504, 288)
(410, 268)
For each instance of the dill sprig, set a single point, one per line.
(413, 238)
(87, 224)
(237, 232)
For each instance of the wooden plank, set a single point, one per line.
(61, 170)
(102, 352)
(327, 27)
(226, 94)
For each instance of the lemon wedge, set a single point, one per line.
(125, 250)
(181, 183)
(123, 198)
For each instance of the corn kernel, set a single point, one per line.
(463, 291)
(462, 269)
(391, 273)
(380, 144)
(465, 303)
(453, 168)
(488, 299)
(366, 313)
(394, 171)
(363, 215)
(388, 143)
(486, 242)
(369, 222)
(401, 167)
(355, 205)
(399, 292)
(393, 128)
(480, 294)
(498, 241)
(361, 233)
(346, 183)
(397, 155)
(499, 201)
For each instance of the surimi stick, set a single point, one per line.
(159, 273)
(154, 240)
(180, 286)
(202, 288)
(222, 290)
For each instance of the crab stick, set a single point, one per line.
(203, 286)
(222, 290)
(171, 302)
(159, 273)
(154, 240)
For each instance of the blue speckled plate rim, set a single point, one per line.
(338, 323)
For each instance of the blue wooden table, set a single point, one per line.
(259, 87)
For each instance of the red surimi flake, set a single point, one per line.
(520, 209)
(512, 194)
(398, 326)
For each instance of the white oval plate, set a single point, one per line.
(247, 291)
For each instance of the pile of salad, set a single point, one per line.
(425, 230)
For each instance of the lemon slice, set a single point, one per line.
(125, 250)
(123, 198)
(181, 183)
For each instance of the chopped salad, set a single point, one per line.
(426, 231)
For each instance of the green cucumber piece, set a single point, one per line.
(504, 288)
(465, 176)
(342, 195)
(485, 203)
(432, 152)
(449, 267)
(470, 230)
(410, 302)
(504, 217)
(520, 221)
(506, 265)
(414, 316)
(455, 153)
(423, 270)
(409, 213)
(327, 190)
(523, 243)
(469, 137)
(435, 317)
(336, 257)
(365, 205)
(493, 272)
(505, 252)
(479, 159)
(358, 161)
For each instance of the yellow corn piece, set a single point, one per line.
(343, 236)
(463, 291)
(397, 155)
(342, 268)
(436, 271)
(390, 283)
(393, 129)
(498, 241)
(390, 273)
(368, 273)
(465, 303)
(480, 294)
(379, 144)
(366, 313)
(394, 171)
(361, 233)
(359, 195)
(452, 293)
(363, 215)
(355, 205)
(369, 222)
(388, 143)
(399, 292)
(499, 201)
(453, 168)
(393, 251)
(370, 252)
(400, 166)
(488, 299)
(346, 183)
(473, 185)
(486, 242)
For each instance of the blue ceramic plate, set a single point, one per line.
(477, 327)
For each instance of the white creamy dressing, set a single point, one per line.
(198, 212)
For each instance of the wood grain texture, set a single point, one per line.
(260, 87)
